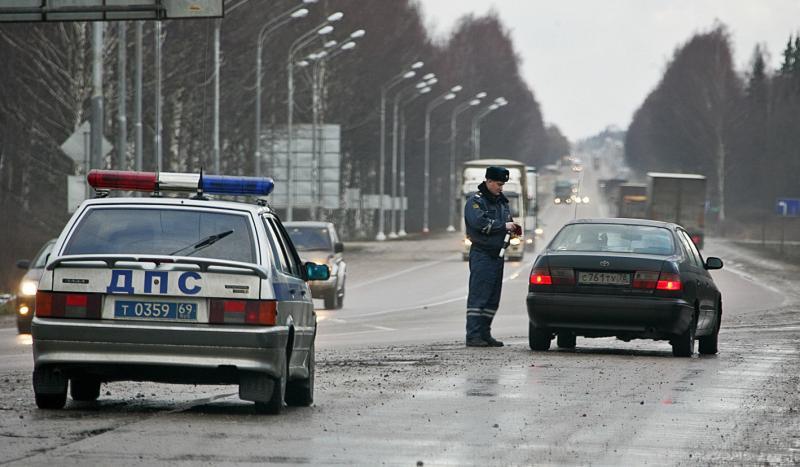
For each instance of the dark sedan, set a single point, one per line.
(629, 278)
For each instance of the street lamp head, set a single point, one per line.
(357, 34)
(480, 95)
(417, 65)
(310, 1)
(493, 106)
(432, 81)
(421, 84)
(429, 76)
(301, 13)
(348, 45)
(450, 96)
(425, 90)
(336, 16)
(502, 103)
(499, 100)
(325, 30)
(456, 88)
(474, 102)
(330, 43)
(321, 54)
(304, 63)
(409, 74)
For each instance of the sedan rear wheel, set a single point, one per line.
(538, 338)
(84, 390)
(683, 344)
(709, 345)
(566, 340)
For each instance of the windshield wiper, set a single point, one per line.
(206, 242)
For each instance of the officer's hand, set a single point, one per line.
(510, 226)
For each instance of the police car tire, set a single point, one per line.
(538, 339)
(274, 405)
(51, 401)
(300, 392)
(84, 390)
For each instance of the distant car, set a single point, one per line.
(629, 278)
(319, 243)
(26, 295)
(176, 289)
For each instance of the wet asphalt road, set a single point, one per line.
(396, 386)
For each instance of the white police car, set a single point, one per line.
(175, 290)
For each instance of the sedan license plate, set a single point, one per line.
(166, 311)
(604, 278)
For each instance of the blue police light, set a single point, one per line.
(229, 185)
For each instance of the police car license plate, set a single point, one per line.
(167, 311)
(604, 278)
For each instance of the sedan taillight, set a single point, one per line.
(669, 281)
(541, 276)
(645, 279)
(259, 312)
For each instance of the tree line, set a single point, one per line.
(740, 129)
(48, 81)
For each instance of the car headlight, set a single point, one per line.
(585, 199)
(28, 288)
(514, 241)
(557, 200)
(538, 231)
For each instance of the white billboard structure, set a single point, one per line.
(316, 168)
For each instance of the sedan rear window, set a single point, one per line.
(177, 232)
(614, 237)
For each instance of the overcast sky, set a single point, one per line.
(591, 63)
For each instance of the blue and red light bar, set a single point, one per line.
(167, 181)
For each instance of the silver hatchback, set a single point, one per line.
(175, 290)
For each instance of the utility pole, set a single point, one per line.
(122, 131)
(137, 124)
(96, 148)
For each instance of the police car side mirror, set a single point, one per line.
(23, 264)
(338, 247)
(317, 272)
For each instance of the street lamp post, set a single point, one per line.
(395, 110)
(476, 129)
(451, 94)
(382, 166)
(402, 232)
(317, 78)
(266, 30)
(322, 29)
(456, 111)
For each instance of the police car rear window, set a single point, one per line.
(163, 232)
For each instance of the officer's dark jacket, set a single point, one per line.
(485, 216)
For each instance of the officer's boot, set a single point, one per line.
(487, 332)
(475, 331)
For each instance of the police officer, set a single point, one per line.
(488, 220)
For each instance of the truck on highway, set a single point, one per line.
(564, 192)
(515, 189)
(678, 198)
(632, 200)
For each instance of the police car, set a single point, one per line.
(175, 290)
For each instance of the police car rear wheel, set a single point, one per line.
(275, 403)
(300, 393)
(84, 389)
(49, 388)
(566, 341)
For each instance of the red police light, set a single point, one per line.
(122, 180)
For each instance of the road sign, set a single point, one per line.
(788, 207)
(76, 192)
(107, 10)
(76, 146)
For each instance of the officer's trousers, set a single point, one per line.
(485, 283)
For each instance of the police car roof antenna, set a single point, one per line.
(101, 193)
(199, 194)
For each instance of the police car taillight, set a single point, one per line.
(258, 312)
(185, 182)
(68, 305)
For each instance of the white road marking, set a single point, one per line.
(380, 328)
(395, 274)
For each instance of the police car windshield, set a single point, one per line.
(310, 238)
(161, 232)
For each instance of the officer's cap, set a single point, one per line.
(498, 174)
